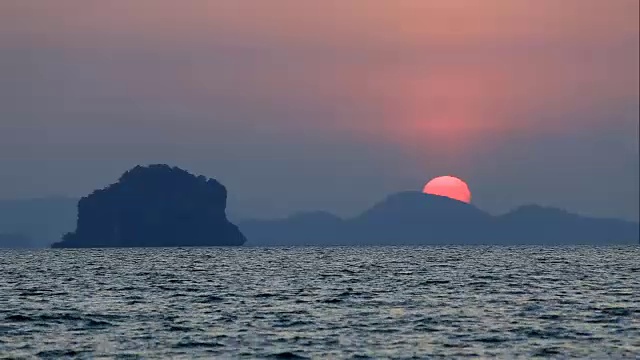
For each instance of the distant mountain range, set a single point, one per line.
(36, 222)
(414, 218)
(407, 218)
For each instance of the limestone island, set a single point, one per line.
(154, 206)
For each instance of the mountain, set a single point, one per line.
(414, 218)
(42, 220)
(533, 224)
(155, 206)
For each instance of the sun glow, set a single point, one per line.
(449, 186)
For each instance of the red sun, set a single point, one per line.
(449, 186)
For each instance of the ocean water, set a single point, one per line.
(324, 303)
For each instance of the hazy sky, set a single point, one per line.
(328, 105)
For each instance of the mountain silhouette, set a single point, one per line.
(534, 224)
(407, 217)
(155, 206)
(414, 218)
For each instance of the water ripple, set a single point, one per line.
(342, 303)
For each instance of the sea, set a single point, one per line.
(321, 303)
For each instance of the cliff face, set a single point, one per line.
(155, 206)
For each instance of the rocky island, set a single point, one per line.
(155, 206)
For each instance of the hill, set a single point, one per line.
(155, 206)
(414, 218)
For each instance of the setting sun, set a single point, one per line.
(449, 186)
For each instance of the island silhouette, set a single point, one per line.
(155, 206)
(164, 206)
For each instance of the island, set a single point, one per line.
(154, 206)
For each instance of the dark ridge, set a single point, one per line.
(414, 218)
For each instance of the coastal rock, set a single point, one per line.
(155, 206)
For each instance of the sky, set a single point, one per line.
(326, 105)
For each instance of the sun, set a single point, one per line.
(449, 186)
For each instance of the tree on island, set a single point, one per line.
(155, 206)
